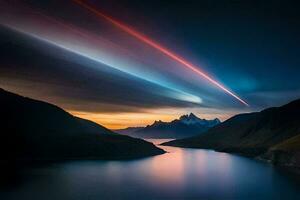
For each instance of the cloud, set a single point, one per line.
(270, 98)
(37, 71)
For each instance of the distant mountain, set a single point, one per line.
(252, 134)
(194, 120)
(185, 126)
(35, 130)
(128, 131)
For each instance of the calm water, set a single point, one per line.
(179, 174)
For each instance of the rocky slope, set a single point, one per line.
(286, 153)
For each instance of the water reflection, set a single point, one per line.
(178, 174)
(168, 168)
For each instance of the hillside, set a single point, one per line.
(289, 145)
(250, 134)
(35, 130)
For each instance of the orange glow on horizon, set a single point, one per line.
(123, 120)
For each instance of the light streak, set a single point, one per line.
(170, 91)
(160, 48)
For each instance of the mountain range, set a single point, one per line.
(36, 130)
(185, 126)
(270, 134)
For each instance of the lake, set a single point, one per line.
(178, 174)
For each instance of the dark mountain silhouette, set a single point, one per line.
(185, 126)
(128, 130)
(252, 134)
(35, 130)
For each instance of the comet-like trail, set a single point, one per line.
(173, 92)
(160, 48)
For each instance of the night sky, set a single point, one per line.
(63, 53)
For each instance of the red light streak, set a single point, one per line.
(162, 49)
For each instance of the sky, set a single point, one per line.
(129, 63)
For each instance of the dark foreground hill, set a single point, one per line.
(185, 126)
(252, 134)
(35, 130)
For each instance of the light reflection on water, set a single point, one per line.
(178, 174)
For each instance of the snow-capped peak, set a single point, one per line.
(193, 119)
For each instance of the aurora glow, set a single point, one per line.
(121, 64)
(172, 93)
(160, 48)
